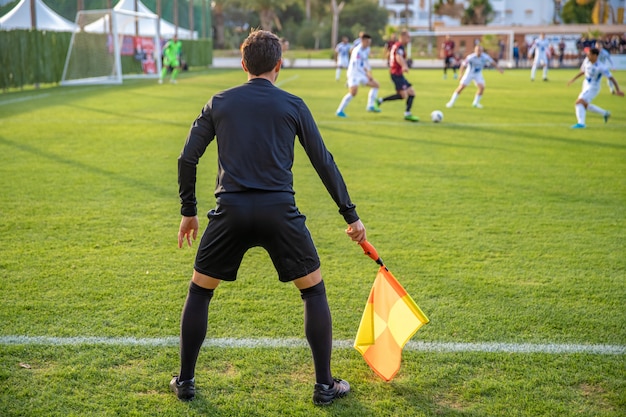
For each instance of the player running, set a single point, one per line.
(593, 70)
(541, 49)
(360, 73)
(342, 56)
(447, 51)
(397, 67)
(474, 62)
(172, 51)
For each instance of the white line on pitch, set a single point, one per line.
(285, 81)
(44, 95)
(484, 347)
(20, 99)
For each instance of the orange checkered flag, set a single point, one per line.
(390, 319)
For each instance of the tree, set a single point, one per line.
(449, 8)
(577, 13)
(479, 12)
(364, 15)
(267, 11)
(336, 9)
(218, 22)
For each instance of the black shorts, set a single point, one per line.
(400, 82)
(241, 221)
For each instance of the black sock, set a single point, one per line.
(409, 103)
(318, 330)
(193, 327)
(392, 97)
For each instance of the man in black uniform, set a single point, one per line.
(255, 125)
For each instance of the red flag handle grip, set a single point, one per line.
(370, 251)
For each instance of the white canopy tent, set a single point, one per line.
(45, 18)
(166, 29)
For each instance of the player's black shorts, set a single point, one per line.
(400, 82)
(448, 61)
(244, 220)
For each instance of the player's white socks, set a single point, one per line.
(596, 109)
(533, 71)
(476, 100)
(371, 97)
(338, 74)
(545, 72)
(581, 112)
(455, 95)
(344, 102)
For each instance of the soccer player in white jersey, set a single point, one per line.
(593, 70)
(541, 49)
(605, 58)
(472, 70)
(342, 56)
(360, 73)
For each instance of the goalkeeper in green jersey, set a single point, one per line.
(171, 58)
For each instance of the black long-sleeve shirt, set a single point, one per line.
(256, 125)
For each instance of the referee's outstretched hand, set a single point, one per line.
(188, 230)
(356, 231)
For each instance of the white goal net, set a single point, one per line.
(110, 45)
(426, 45)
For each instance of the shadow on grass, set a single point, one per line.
(122, 179)
(406, 398)
(574, 137)
(324, 126)
(124, 115)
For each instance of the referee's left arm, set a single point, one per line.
(324, 164)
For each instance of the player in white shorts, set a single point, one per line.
(541, 48)
(342, 56)
(359, 73)
(593, 70)
(472, 70)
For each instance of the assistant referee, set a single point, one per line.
(255, 126)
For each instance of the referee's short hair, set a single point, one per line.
(261, 51)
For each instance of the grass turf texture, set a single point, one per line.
(503, 224)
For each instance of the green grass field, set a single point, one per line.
(507, 227)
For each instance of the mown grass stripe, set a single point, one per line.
(427, 122)
(484, 347)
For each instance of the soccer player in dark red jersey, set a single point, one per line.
(397, 67)
(447, 52)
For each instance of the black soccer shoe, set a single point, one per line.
(325, 394)
(185, 391)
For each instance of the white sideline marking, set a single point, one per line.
(486, 347)
(43, 95)
(20, 99)
(285, 81)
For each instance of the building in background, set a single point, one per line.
(419, 14)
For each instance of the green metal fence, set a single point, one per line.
(30, 57)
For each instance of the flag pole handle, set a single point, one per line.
(370, 251)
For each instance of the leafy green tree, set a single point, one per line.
(576, 13)
(364, 15)
(267, 10)
(8, 7)
(449, 8)
(479, 12)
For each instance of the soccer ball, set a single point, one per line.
(436, 116)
